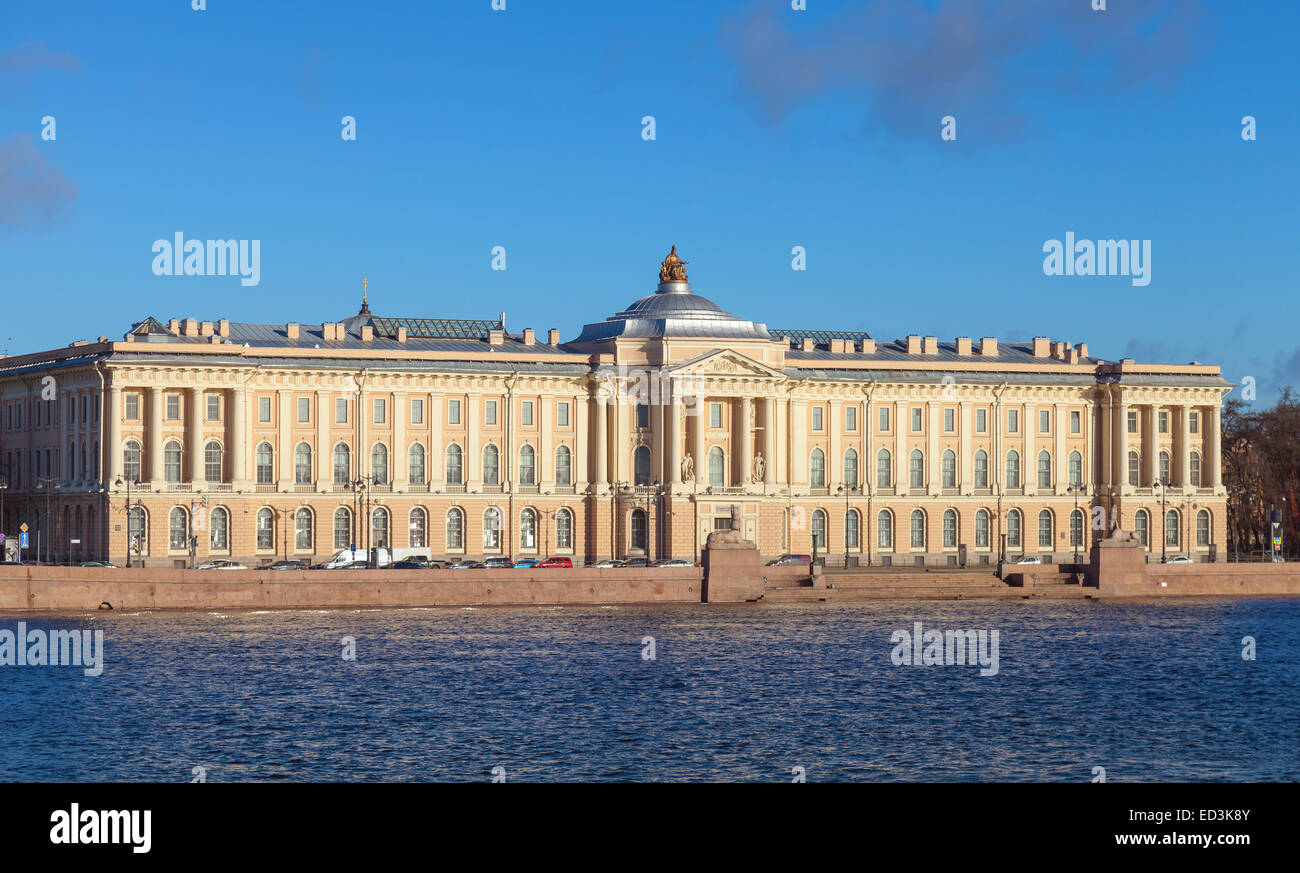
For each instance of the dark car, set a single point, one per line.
(438, 565)
(407, 565)
(566, 563)
(498, 563)
(636, 562)
(466, 565)
(790, 559)
(289, 565)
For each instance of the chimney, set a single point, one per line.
(1074, 356)
(1058, 349)
(914, 345)
(215, 338)
(530, 339)
(838, 346)
(223, 327)
(868, 347)
(401, 334)
(931, 346)
(963, 345)
(553, 337)
(367, 333)
(190, 327)
(808, 345)
(1082, 348)
(291, 330)
(989, 346)
(205, 328)
(497, 337)
(174, 325)
(1041, 346)
(326, 330)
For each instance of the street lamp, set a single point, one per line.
(50, 484)
(4, 486)
(118, 484)
(1164, 532)
(846, 492)
(1076, 489)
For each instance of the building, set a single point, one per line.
(262, 441)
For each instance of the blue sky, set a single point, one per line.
(774, 128)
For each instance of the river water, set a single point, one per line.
(1149, 691)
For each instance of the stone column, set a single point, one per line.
(581, 469)
(155, 436)
(600, 418)
(284, 433)
(237, 443)
(1216, 450)
(398, 472)
(113, 450)
(932, 462)
(472, 458)
(769, 440)
(546, 452)
(657, 417)
(437, 451)
(195, 433)
(674, 437)
(1090, 465)
(1121, 448)
(1185, 447)
(901, 472)
(966, 459)
(324, 469)
(1150, 447)
(697, 436)
(746, 437)
(799, 444)
(1029, 469)
(1061, 471)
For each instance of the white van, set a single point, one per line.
(383, 557)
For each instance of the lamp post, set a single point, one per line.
(4, 486)
(1076, 489)
(614, 489)
(50, 484)
(651, 503)
(846, 492)
(118, 484)
(1164, 532)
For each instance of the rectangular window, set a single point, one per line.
(817, 418)
(214, 407)
(1013, 421)
(173, 407)
(417, 410)
(264, 409)
(949, 420)
(1132, 421)
(1162, 420)
(1193, 422)
(340, 410)
(453, 412)
(132, 409)
(1076, 422)
(850, 418)
(1044, 421)
(490, 412)
(643, 415)
(715, 415)
(381, 410)
(562, 417)
(981, 420)
(526, 413)
(884, 418)
(304, 410)
(72, 410)
(916, 419)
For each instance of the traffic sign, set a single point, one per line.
(22, 540)
(23, 527)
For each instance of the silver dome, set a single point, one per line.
(673, 311)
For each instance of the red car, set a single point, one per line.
(566, 563)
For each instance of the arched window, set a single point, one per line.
(528, 529)
(1045, 529)
(948, 469)
(1013, 469)
(527, 466)
(1013, 529)
(492, 529)
(563, 466)
(638, 529)
(819, 530)
(1195, 471)
(379, 463)
(303, 540)
(265, 529)
(851, 529)
(817, 469)
(950, 529)
(264, 461)
(918, 529)
(172, 461)
(419, 525)
(342, 464)
(491, 465)
(1076, 528)
(641, 465)
(916, 469)
(455, 468)
(455, 530)
(717, 467)
(981, 529)
(564, 529)
(178, 529)
(1203, 527)
(379, 529)
(342, 528)
(885, 529)
(131, 461)
(302, 464)
(415, 464)
(219, 520)
(1141, 527)
(138, 530)
(1044, 469)
(1076, 469)
(851, 469)
(1134, 468)
(1171, 527)
(884, 469)
(212, 462)
(1164, 468)
(981, 469)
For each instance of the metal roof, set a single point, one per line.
(435, 328)
(821, 337)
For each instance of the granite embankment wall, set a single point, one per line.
(1204, 580)
(50, 588)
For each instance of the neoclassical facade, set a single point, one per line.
(192, 440)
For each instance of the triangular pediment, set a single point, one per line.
(724, 362)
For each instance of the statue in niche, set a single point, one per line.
(688, 468)
(760, 467)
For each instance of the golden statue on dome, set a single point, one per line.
(673, 268)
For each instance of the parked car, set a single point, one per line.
(673, 562)
(102, 564)
(1029, 559)
(609, 562)
(498, 562)
(1178, 559)
(526, 563)
(790, 559)
(566, 563)
(437, 565)
(407, 565)
(467, 565)
(636, 562)
(289, 565)
(221, 565)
